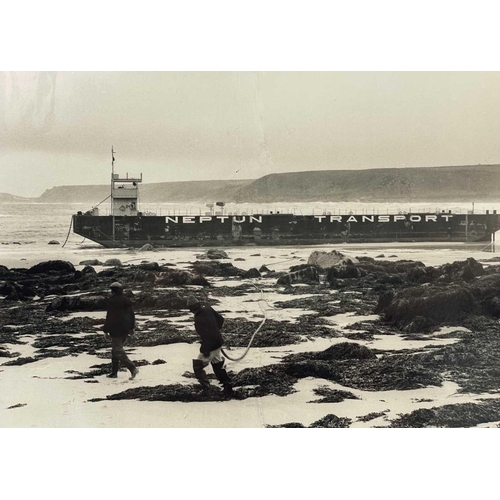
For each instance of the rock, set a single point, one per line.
(160, 301)
(255, 255)
(251, 273)
(55, 290)
(113, 262)
(88, 270)
(339, 352)
(158, 362)
(149, 266)
(332, 421)
(381, 256)
(342, 272)
(416, 273)
(419, 324)
(11, 289)
(216, 254)
(146, 248)
(392, 279)
(239, 259)
(52, 265)
(78, 303)
(150, 277)
(472, 269)
(4, 271)
(307, 275)
(264, 269)
(494, 306)
(205, 268)
(460, 270)
(425, 279)
(325, 260)
(175, 277)
(91, 262)
(436, 304)
(52, 242)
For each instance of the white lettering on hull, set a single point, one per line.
(239, 219)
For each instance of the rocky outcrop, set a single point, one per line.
(325, 260)
(306, 275)
(113, 262)
(174, 277)
(206, 268)
(214, 254)
(78, 303)
(52, 265)
(251, 273)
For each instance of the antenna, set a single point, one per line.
(112, 175)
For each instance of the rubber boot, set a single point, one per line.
(199, 372)
(223, 378)
(115, 366)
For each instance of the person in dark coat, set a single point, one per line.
(208, 323)
(120, 322)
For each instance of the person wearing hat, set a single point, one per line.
(207, 323)
(120, 322)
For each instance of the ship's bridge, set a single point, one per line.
(124, 194)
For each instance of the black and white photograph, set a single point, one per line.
(249, 249)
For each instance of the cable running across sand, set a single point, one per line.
(254, 333)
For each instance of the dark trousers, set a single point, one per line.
(118, 353)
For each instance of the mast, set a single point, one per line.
(112, 184)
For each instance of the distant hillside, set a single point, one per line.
(461, 184)
(9, 198)
(458, 183)
(164, 192)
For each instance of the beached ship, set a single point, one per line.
(127, 226)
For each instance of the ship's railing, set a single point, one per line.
(161, 211)
(191, 211)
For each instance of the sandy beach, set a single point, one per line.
(43, 393)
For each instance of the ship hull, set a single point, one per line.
(284, 229)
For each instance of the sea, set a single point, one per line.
(27, 228)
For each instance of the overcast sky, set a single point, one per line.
(58, 128)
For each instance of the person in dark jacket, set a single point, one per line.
(120, 322)
(208, 324)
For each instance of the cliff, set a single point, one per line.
(461, 184)
(452, 184)
(163, 192)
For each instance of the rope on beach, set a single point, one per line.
(69, 231)
(254, 333)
